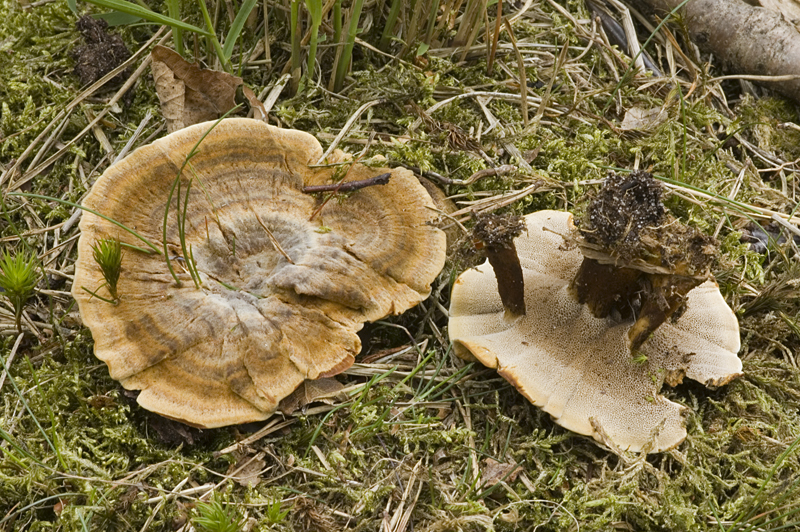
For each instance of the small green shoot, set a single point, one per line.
(638, 357)
(217, 516)
(295, 37)
(107, 253)
(315, 11)
(18, 278)
(274, 513)
(181, 213)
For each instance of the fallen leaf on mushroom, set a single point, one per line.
(595, 368)
(282, 286)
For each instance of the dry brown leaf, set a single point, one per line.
(321, 390)
(247, 469)
(493, 471)
(190, 95)
(637, 118)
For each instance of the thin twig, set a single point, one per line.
(274, 92)
(273, 426)
(350, 186)
(346, 129)
(162, 502)
(523, 77)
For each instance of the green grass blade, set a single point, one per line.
(236, 28)
(27, 407)
(337, 22)
(212, 36)
(103, 216)
(18, 511)
(174, 8)
(176, 184)
(294, 35)
(8, 438)
(148, 15)
(315, 10)
(347, 53)
(756, 501)
(51, 415)
(388, 27)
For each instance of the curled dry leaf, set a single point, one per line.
(320, 390)
(579, 368)
(644, 120)
(493, 471)
(247, 469)
(282, 295)
(190, 95)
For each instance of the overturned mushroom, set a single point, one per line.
(283, 285)
(580, 368)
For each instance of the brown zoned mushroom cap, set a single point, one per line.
(579, 368)
(259, 325)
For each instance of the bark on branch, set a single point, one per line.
(747, 39)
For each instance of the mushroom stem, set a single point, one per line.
(667, 295)
(496, 235)
(510, 284)
(627, 293)
(639, 261)
(606, 289)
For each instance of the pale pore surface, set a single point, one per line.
(579, 368)
(259, 325)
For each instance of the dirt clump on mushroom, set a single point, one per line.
(639, 260)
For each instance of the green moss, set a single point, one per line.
(104, 460)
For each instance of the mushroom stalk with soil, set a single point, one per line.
(615, 309)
